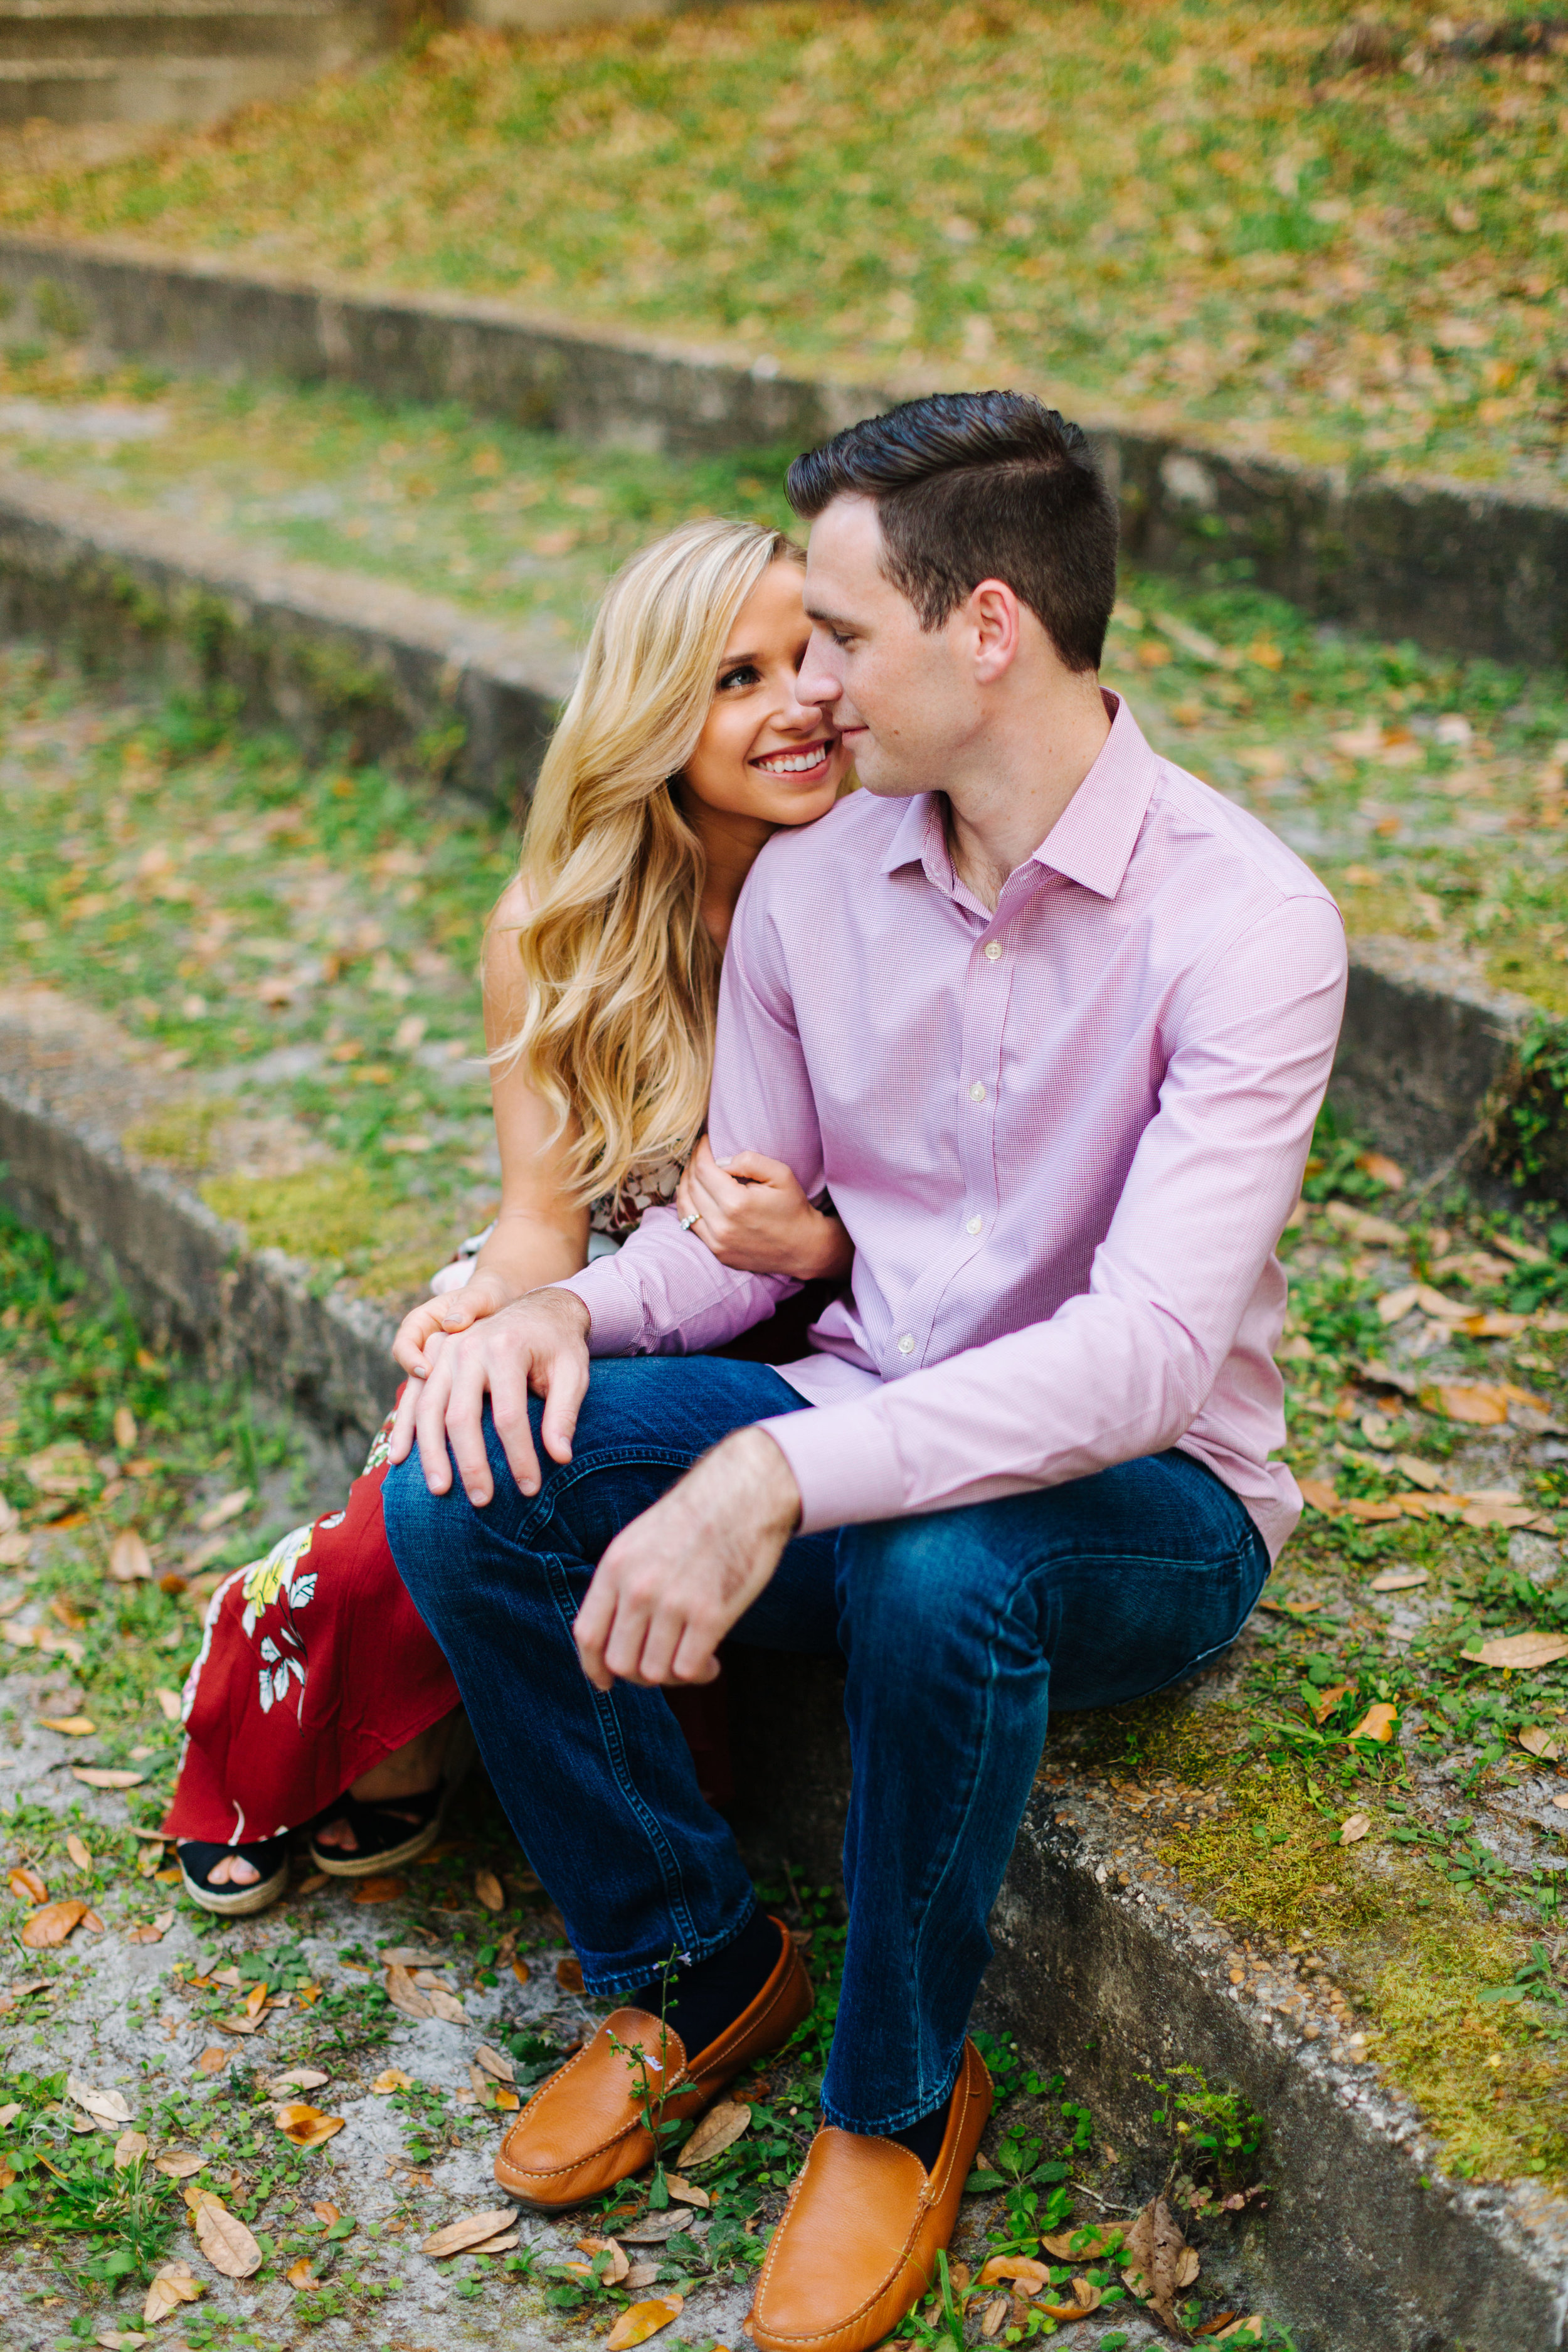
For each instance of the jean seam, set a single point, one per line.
(564, 1475)
(664, 1856)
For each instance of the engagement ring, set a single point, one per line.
(687, 1222)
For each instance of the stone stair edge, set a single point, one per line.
(1475, 567)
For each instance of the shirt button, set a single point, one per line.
(974, 1224)
(907, 1344)
(977, 1092)
(993, 950)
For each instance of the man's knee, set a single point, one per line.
(907, 1583)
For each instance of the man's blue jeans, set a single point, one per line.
(958, 1630)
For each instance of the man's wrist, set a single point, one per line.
(573, 1306)
(769, 1481)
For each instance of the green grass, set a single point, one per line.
(1194, 212)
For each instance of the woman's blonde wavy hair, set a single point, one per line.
(623, 977)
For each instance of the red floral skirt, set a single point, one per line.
(315, 1665)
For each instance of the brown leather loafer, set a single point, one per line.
(587, 2128)
(857, 2245)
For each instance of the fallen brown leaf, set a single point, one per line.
(489, 1890)
(495, 2064)
(1318, 1494)
(1483, 1407)
(380, 1890)
(129, 2148)
(992, 2317)
(168, 1704)
(1383, 1171)
(223, 2236)
(569, 1977)
(405, 1994)
(78, 1851)
(472, 2231)
(175, 2283)
(301, 2277)
(620, 2269)
(641, 2320)
(1086, 2298)
(640, 2275)
(1399, 1579)
(179, 2163)
(299, 2078)
(50, 1926)
(98, 1776)
(104, 2106)
(443, 2004)
(390, 2079)
(507, 2244)
(1396, 1305)
(306, 2126)
(1355, 1827)
(1425, 1474)
(686, 2192)
(228, 1507)
(212, 2060)
(1027, 2275)
(1519, 1651)
(152, 1931)
(1157, 2267)
(1377, 1723)
(720, 2129)
(70, 1727)
(125, 1429)
(1535, 1741)
(26, 1885)
(1095, 2239)
(1327, 1700)
(130, 1561)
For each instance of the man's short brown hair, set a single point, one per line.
(972, 485)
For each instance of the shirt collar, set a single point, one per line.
(1090, 843)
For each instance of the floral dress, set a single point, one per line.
(314, 1662)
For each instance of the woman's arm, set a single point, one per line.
(754, 1215)
(539, 1236)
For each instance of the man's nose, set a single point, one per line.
(819, 683)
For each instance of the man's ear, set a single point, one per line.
(994, 618)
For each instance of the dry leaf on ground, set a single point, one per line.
(1027, 2275)
(125, 1429)
(1383, 1171)
(179, 2163)
(992, 2317)
(1377, 1723)
(98, 1776)
(405, 1994)
(1327, 1700)
(489, 1890)
(457, 2237)
(50, 1926)
(1159, 2260)
(130, 1561)
(1482, 1406)
(1396, 1305)
(1356, 1826)
(640, 2275)
(506, 2245)
(390, 2079)
(168, 1704)
(443, 2004)
(620, 2269)
(69, 1726)
(495, 2064)
(1519, 1651)
(223, 2236)
(152, 1931)
(1318, 1494)
(1536, 1741)
(569, 1973)
(686, 2192)
(26, 1883)
(641, 2320)
(306, 2126)
(228, 1507)
(299, 2078)
(78, 1851)
(301, 2277)
(212, 2060)
(380, 1890)
(1088, 2244)
(720, 2129)
(1085, 2299)
(175, 2283)
(1399, 1579)
(1250, 2330)
(1425, 1474)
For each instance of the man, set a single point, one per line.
(1051, 1020)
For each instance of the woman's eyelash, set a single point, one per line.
(747, 670)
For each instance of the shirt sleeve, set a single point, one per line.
(664, 1292)
(1124, 1369)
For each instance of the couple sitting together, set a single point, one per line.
(1017, 1048)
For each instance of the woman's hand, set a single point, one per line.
(754, 1215)
(454, 1310)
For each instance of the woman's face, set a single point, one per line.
(763, 753)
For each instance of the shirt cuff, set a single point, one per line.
(614, 1311)
(845, 1464)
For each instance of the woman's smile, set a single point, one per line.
(808, 761)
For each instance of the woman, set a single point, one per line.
(318, 1691)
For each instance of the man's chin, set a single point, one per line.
(883, 781)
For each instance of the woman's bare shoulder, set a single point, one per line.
(514, 905)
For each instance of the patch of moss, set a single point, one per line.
(1413, 1953)
(338, 1217)
(183, 1135)
(1529, 969)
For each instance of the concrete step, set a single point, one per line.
(1448, 564)
(302, 37)
(1107, 1967)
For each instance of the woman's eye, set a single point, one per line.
(746, 675)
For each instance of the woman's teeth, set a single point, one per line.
(794, 763)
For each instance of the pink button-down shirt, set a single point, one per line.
(1064, 1135)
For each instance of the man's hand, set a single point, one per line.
(540, 1344)
(674, 1582)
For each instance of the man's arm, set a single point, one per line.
(1124, 1369)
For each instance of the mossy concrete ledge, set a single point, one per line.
(1446, 562)
(334, 657)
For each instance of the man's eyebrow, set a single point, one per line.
(829, 619)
